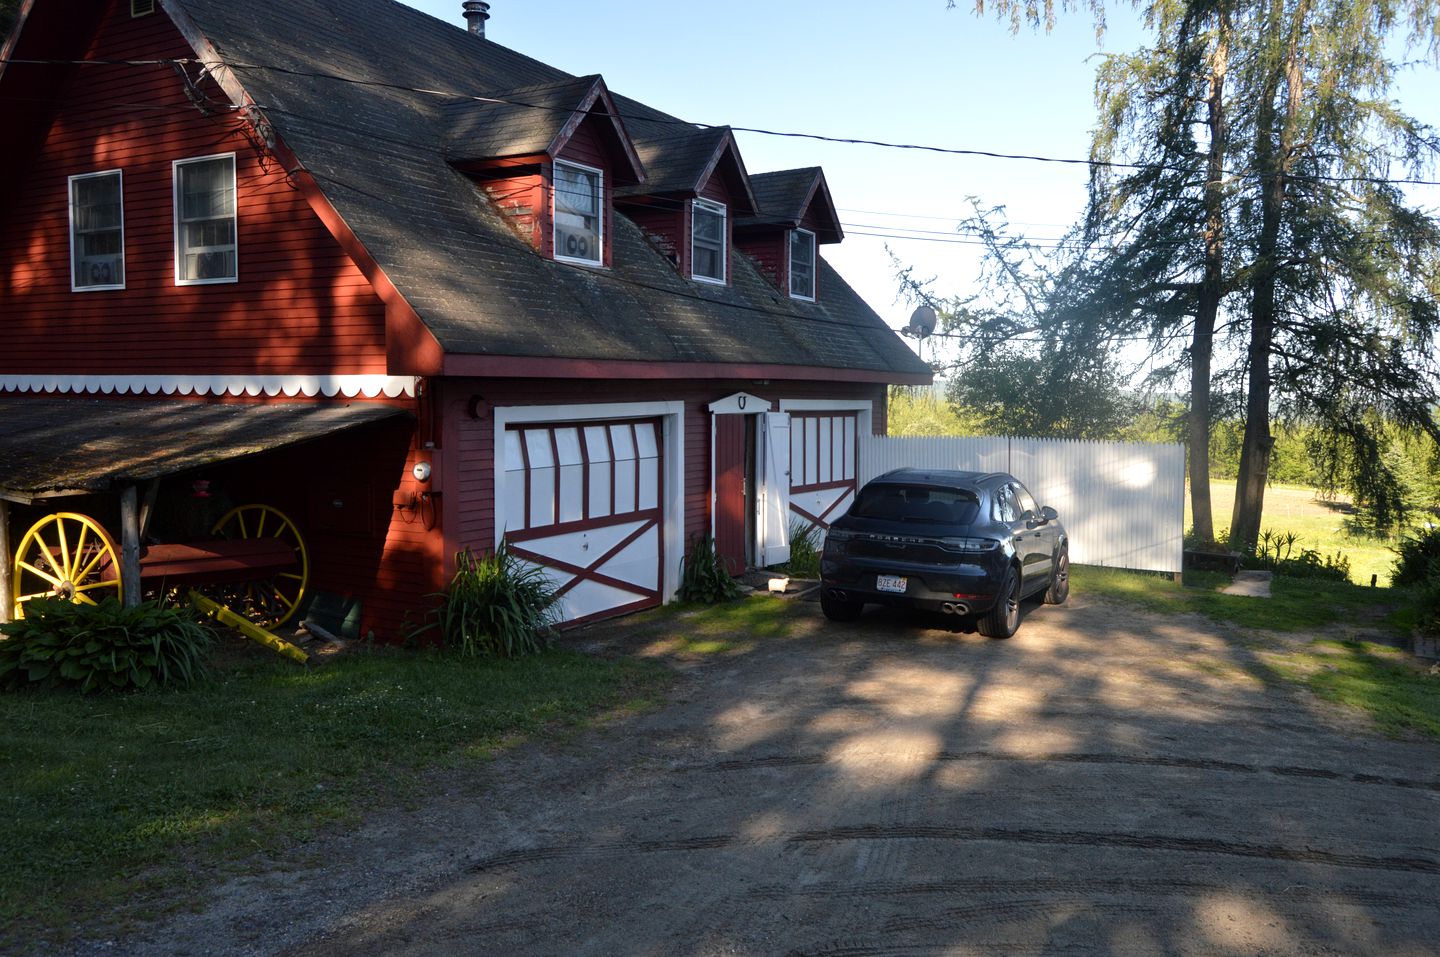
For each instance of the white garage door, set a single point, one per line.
(822, 466)
(583, 502)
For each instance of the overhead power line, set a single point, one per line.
(667, 120)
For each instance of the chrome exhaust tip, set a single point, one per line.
(955, 608)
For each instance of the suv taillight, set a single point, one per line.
(969, 544)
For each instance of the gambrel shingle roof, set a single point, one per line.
(351, 89)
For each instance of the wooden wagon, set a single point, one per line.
(255, 562)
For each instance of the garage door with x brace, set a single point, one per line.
(583, 502)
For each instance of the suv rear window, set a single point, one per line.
(916, 503)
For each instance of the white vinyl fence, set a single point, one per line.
(1122, 503)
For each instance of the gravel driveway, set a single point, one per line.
(1106, 782)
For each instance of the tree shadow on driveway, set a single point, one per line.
(1105, 782)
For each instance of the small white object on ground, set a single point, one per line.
(778, 585)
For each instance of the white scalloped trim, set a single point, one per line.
(349, 386)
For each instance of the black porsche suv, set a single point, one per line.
(962, 543)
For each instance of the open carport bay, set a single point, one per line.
(1105, 782)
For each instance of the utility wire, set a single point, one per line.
(960, 236)
(661, 119)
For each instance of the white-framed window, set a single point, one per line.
(97, 231)
(707, 241)
(206, 250)
(802, 264)
(579, 213)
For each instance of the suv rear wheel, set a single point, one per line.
(1003, 620)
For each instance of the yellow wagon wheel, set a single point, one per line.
(66, 555)
(273, 600)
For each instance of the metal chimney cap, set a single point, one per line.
(476, 13)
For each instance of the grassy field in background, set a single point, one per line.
(1319, 523)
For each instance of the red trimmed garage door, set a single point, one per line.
(822, 465)
(583, 500)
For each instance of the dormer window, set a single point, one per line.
(579, 216)
(707, 241)
(802, 264)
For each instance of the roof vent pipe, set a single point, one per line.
(476, 13)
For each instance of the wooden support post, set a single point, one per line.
(130, 546)
(7, 596)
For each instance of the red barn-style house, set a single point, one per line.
(416, 290)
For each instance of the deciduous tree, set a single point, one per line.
(1266, 150)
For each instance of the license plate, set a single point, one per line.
(893, 583)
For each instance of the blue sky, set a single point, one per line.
(910, 71)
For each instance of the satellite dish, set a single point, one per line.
(922, 322)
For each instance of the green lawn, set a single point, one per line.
(1295, 604)
(1318, 523)
(116, 799)
(1383, 682)
(1387, 684)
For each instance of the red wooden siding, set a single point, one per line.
(369, 533)
(586, 147)
(813, 221)
(300, 305)
(714, 189)
(524, 199)
(664, 224)
(771, 256)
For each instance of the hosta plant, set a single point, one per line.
(102, 647)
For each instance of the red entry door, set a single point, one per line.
(730, 490)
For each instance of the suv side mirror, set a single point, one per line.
(1049, 513)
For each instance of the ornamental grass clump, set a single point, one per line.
(804, 550)
(703, 575)
(1276, 552)
(495, 606)
(102, 647)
